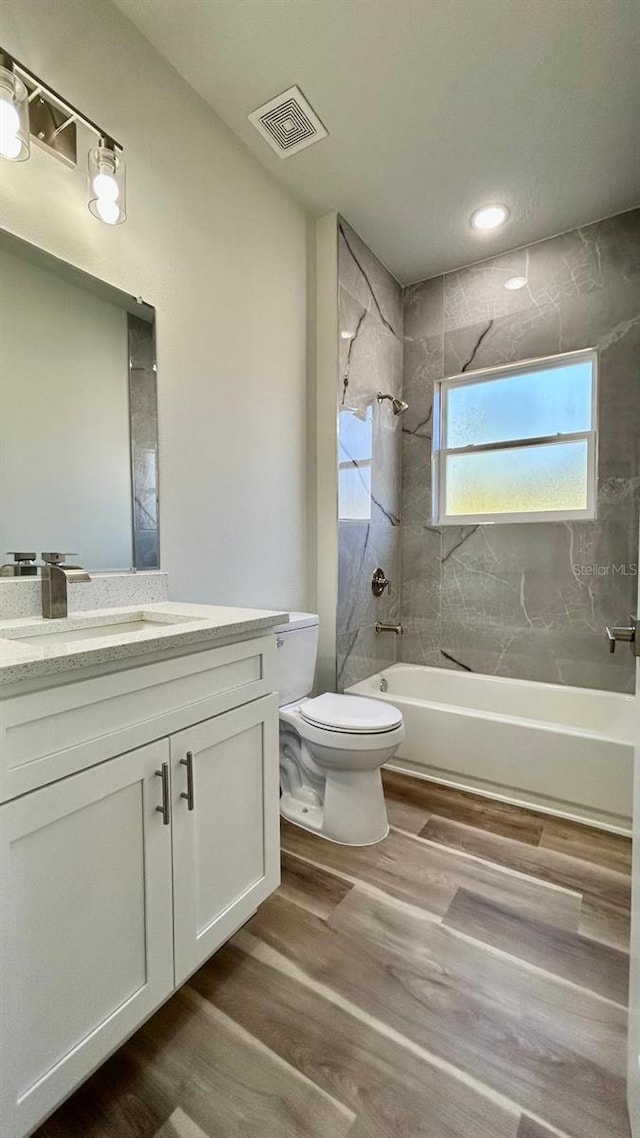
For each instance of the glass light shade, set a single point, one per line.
(107, 185)
(14, 117)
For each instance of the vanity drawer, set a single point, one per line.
(46, 735)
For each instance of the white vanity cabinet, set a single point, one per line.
(87, 927)
(118, 880)
(226, 849)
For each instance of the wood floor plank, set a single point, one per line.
(448, 802)
(557, 1050)
(311, 888)
(123, 1099)
(588, 963)
(613, 851)
(429, 877)
(402, 811)
(180, 1126)
(530, 1129)
(228, 1079)
(605, 921)
(605, 885)
(389, 1088)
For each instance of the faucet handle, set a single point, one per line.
(56, 558)
(18, 556)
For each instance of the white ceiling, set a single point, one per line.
(433, 107)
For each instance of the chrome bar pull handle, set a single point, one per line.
(188, 763)
(165, 809)
(628, 633)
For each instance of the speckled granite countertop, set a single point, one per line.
(174, 626)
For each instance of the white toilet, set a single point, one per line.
(331, 747)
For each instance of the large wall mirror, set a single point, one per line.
(78, 414)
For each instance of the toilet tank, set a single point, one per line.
(297, 650)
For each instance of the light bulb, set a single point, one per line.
(9, 117)
(489, 217)
(106, 188)
(14, 115)
(10, 145)
(108, 211)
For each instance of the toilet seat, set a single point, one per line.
(352, 714)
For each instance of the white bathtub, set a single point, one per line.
(559, 749)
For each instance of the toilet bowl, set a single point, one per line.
(331, 747)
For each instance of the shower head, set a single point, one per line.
(398, 405)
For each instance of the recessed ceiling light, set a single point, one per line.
(489, 217)
(515, 282)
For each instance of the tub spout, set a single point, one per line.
(381, 627)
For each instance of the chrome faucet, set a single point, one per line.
(55, 576)
(397, 628)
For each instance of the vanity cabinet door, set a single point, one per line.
(226, 843)
(87, 938)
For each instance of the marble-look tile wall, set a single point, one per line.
(528, 600)
(370, 315)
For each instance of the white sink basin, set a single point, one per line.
(55, 635)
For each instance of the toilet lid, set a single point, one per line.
(353, 713)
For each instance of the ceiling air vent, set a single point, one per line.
(288, 123)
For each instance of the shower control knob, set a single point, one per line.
(379, 582)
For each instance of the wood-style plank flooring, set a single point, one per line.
(465, 978)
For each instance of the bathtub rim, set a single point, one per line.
(476, 677)
(477, 713)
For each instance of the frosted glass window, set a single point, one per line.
(517, 443)
(537, 478)
(548, 401)
(356, 454)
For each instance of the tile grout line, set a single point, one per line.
(438, 919)
(257, 949)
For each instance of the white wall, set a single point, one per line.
(64, 419)
(326, 444)
(219, 248)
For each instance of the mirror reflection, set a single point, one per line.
(78, 415)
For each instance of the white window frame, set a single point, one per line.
(440, 453)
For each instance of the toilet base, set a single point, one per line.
(353, 812)
(319, 834)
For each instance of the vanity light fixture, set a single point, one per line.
(29, 108)
(515, 283)
(489, 217)
(107, 198)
